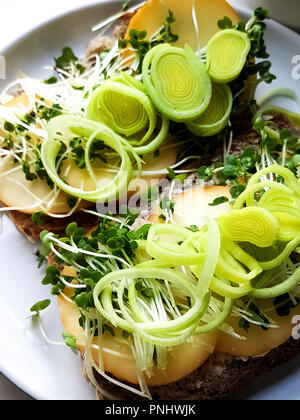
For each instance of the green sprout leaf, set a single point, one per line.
(71, 201)
(66, 58)
(261, 14)
(205, 173)
(51, 81)
(40, 306)
(41, 260)
(194, 228)
(167, 205)
(38, 217)
(225, 23)
(287, 137)
(166, 32)
(172, 175)
(46, 243)
(126, 5)
(85, 300)
(49, 113)
(219, 200)
(9, 127)
(294, 162)
(70, 341)
(30, 176)
(71, 229)
(236, 190)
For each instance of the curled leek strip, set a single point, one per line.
(131, 317)
(203, 252)
(206, 272)
(170, 252)
(248, 195)
(219, 320)
(122, 104)
(290, 179)
(280, 289)
(251, 224)
(215, 118)
(94, 130)
(232, 261)
(225, 270)
(289, 226)
(226, 55)
(154, 144)
(280, 202)
(281, 258)
(177, 82)
(224, 289)
(275, 110)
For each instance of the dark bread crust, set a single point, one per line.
(220, 376)
(248, 138)
(252, 138)
(122, 26)
(58, 226)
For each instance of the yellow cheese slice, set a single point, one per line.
(258, 341)
(18, 102)
(193, 204)
(118, 359)
(153, 14)
(16, 192)
(137, 185)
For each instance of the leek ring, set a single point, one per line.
(226, 55)
(122, 104)
(51, 147)
(215, 118)
(177, 82)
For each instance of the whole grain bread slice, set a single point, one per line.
(32, 230)
(217, 378)
(220, 376)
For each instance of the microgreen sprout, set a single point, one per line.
(219, 200)
(126, 5)
(41, 259)
(66, 59)
(40, 306)
(70, 341)
(236, 171)
(38, 217)
(139, 43)
(172, 175)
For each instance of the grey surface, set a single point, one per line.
(8, 391)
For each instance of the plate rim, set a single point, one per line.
(37, 27)
(17, 380)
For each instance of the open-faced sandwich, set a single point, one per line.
(166, 199)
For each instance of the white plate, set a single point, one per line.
(53, 373)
